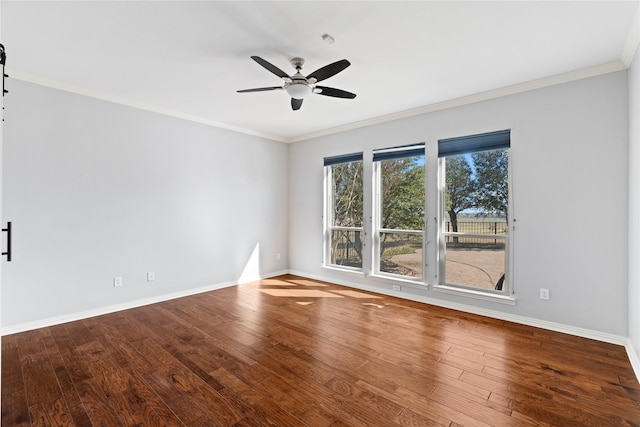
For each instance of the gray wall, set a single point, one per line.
(634, 204)
(97, 190)
(569, 166)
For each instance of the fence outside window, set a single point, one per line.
(476, 227)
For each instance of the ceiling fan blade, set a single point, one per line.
(269, 66)
(337, 93)
(296, 103)
(329, 70)
(259, 89)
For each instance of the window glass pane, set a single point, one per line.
(402, 193)
(476, 195)
(347, 194)
(401, 253)
(475, 262)
(491, 170)
(345, 216)
(346, 248)
(477, 190)
(400, 208)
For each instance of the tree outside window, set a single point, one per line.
(343, 211)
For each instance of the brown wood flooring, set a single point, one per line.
(290, 351)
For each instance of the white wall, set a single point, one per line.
(634, 205)
(97, 190)
(569, 160)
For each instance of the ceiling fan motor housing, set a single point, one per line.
(298, 63)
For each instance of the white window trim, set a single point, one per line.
(395, 278)
(507, 295)
(344, 269)
(375, 237)
(431, 261)
(476, 294)
(328, 228)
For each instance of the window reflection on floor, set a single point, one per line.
(302, 289)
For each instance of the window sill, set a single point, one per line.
(399, 280)
(349, 270)
(470, 293)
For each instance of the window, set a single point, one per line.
(343, 211)
(473, 235)
(399, 207)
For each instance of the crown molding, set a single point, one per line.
(610, 67)
(42, 81)
(557, 79)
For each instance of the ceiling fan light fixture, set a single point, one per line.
(298, 86)
(298, 90)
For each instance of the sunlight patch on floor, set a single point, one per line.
(306, 283)
(356, 294)
(373, 305)
(300, 293)
(271, 282)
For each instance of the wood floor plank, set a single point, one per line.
(267, 354)
(72, 359)
(361, 398)
(62, 371)
(40, 382)
(15, 411)
(409, 418)
(275, 415)
(428, 408)
(471, 407)
(137, 412)
(152, 401)
(303, 405)
(12, 380)
(50, 414)
(97, 405)
(79, 333)
(238, 387)
(188, 395)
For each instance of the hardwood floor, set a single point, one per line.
(291, 351)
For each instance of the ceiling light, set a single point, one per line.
(298, 90)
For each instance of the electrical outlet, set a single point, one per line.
(544, 293)
(397, 287)
(117, 281)
(151, 276)
(278, 256)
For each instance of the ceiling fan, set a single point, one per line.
(299, 86)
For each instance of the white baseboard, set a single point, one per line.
(633, 358)
(254, 278)
(529, 321)
(56, 320)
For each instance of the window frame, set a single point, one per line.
(432, 236)
(380, 156)
(476, 145)
(329, 213)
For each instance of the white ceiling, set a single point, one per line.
(188, 58)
